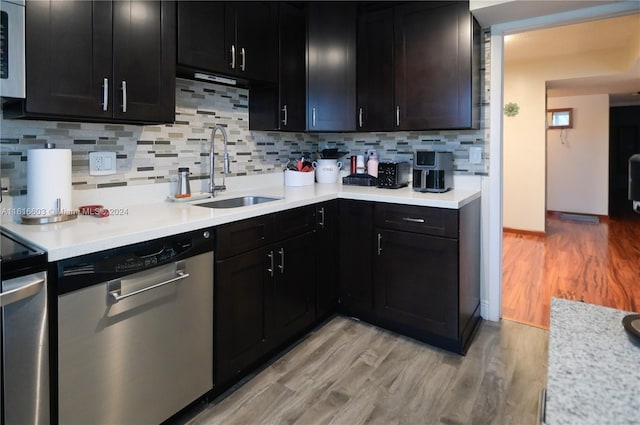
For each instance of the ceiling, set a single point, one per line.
(493, 12)
(587, 37)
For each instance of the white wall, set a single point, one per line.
(524, 144)
(578, 158)
(524, 151)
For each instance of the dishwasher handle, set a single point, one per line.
(114, 291)
(30, 288)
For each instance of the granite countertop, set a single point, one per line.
(594, 366)
(140, 214)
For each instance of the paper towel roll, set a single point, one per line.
(48, 179)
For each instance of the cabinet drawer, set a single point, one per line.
(294, 222)
(242, 236)
(426, 220)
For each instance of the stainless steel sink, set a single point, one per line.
(241, 201)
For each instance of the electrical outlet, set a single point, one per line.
(475, 155)
(102, 163)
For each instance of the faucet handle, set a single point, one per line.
(226, 163)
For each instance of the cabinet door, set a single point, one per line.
(201, 36)
(256, 48)
(281, 105)
(292, 75)
(331, 67)
(242, 299)
(433, 65)
(375, 111)
(327, 257)
(416, 281)
(144, 64)
(295, 281)
(356, 257)
(68, 58)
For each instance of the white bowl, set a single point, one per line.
(298, 178)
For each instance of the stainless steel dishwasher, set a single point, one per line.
(135, 331)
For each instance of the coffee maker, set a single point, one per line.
(432, 171)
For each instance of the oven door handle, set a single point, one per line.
(115, 295)
(29, 289)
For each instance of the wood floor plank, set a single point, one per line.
(593, 262)
(354, 373)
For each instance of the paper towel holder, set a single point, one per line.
(56, 216)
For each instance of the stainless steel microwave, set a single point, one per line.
(12, 58)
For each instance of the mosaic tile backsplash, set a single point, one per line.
(150, 154)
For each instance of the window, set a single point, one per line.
(560, 118)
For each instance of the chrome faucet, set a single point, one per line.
(212, 186)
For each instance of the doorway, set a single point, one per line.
(543, 275)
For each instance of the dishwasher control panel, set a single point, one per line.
(85, 270)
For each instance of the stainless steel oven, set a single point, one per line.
(12, 56)
(24, 340)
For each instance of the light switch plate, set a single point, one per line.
(102, 163)
(475, 155)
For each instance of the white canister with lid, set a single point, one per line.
(327, 170)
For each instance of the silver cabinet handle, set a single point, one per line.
(321, 213)
(542, 407)
(281, 266)
(105, 94)
(32, 286)
(270, 269)
(379, 244)
(360, 123)
(243, 56)
(114, 290)
(233, 56)
(398, 116)
(313, 117)
(124, 96)
(413, 220)
(285, 119)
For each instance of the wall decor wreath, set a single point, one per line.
(511, 109)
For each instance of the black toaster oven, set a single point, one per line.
(393, 175)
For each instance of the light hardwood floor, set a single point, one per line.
(595, 263)
(350, 372)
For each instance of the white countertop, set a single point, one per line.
(137, 221)
(593, 375)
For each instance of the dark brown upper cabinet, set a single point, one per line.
(375, 102)
(230, 38)
(437, 53)
(292, 71)
(99, 61)
(331, 66)
(281, 105)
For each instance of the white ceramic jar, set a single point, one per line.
(327, 170)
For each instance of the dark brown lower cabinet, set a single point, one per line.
(243, 313)
(264, 289)
(327, 258)
(416, 281)
(355, 287)
(294, 287)
(414, 270)
(427, 272)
